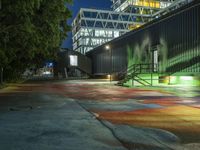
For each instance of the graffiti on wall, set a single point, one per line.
(141, 53)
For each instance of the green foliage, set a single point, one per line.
(31, 32)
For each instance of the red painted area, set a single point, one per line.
(163, 101)
(178, 115)
(183, 121)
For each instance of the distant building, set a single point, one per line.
(72, 64)
(140, 6)
(93, 27)
(163, 51)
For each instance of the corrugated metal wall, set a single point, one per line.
(176, 37)
(84, 63)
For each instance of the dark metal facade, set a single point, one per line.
(84, 63)
(176, 38)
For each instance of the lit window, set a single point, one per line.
(73, 60)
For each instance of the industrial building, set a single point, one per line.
(93, 27)
(165, 50)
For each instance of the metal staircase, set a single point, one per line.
(134, 71)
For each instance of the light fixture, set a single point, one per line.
(107, 47)
(186, 78)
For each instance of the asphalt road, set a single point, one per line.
(50, 115)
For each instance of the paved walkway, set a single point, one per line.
(94, 114)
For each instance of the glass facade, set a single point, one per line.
(125, 5)
(87, 39)
(92, 27)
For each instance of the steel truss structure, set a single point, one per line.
(93, 27)
(175, 5)
(140, 6)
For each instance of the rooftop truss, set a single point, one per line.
(175, 5)
(123, 5)
(111, 25)
(92, 18)
(93, 27)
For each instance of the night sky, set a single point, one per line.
(77, 4)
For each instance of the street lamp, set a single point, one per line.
(110, 50)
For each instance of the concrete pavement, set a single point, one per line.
(48, 121)
(92, 114)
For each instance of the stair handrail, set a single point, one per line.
(125, 71)
(150, 67)
(138, 69)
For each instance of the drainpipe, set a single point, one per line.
(1, 74)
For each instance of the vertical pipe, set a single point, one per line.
(1, 74)
(66, 73)
(111, 70)
(151, 79)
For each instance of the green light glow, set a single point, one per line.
(186, 78)
(167, 80)
(162, 52)
(183, 80)
(139, 53)
(147, 77)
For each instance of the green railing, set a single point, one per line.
(133, 72)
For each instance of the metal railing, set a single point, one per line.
(134, 70)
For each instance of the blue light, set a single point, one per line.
(49, 64)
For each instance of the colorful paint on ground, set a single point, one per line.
(169, 109)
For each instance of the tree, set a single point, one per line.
(31, 32)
